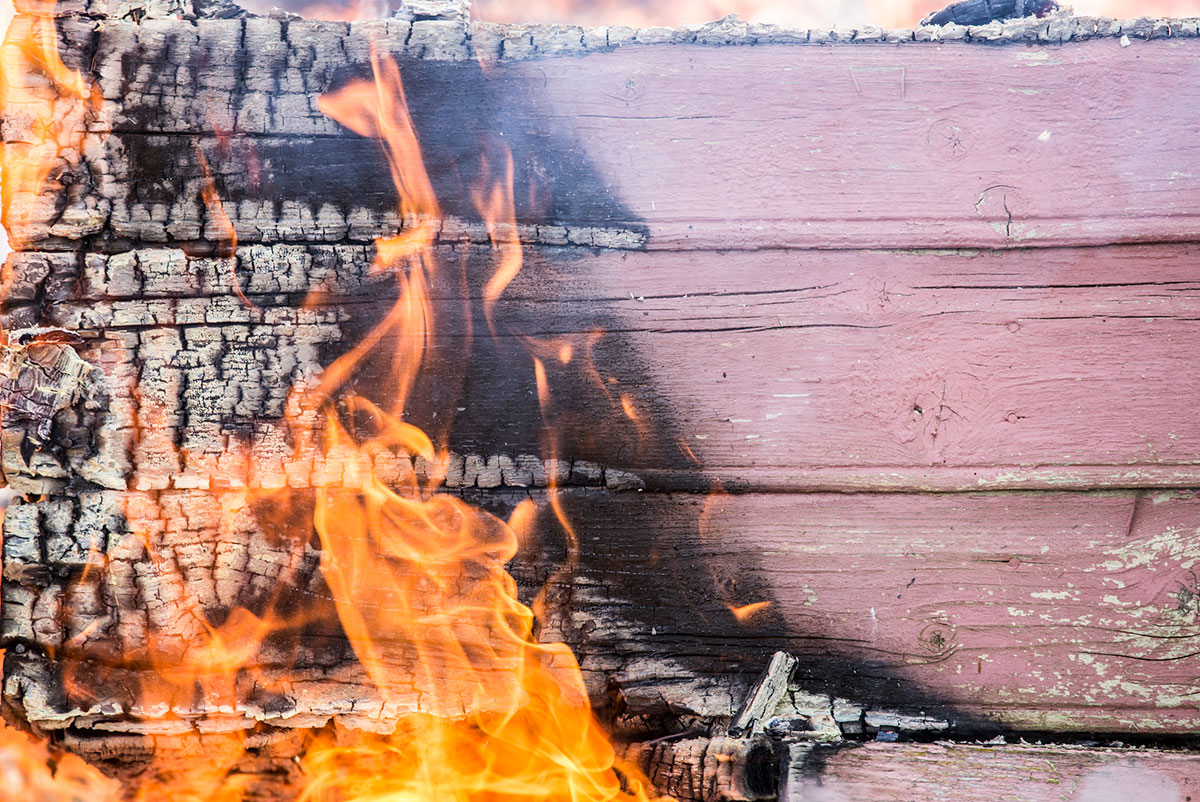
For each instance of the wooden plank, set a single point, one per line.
(816, 370)
(927, 145)
(861, 370)
(890, 146)
(1067, 612)
(1015, 773)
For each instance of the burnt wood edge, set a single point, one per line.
(692, 766)
(439, 38)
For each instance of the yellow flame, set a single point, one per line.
(45, 105)
(417, 578)
(746, 611)
(419, 581)
(29, 771)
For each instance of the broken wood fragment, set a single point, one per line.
(765, 696)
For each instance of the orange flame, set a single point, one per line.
(45, 103)
(418, 579)
(499, 215)
(746, 611)
(29, 771)
(220, 226)
(420, 582)
(423, 595)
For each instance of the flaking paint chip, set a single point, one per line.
(1044, 136)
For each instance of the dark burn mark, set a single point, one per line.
(49, 336)
(674, 588)
(478, 394)
(981, 12)
(460, 113)
(1187, 598)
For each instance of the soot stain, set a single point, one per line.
(458, 110)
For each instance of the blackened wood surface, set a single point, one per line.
(1038, 611)
(940, 145)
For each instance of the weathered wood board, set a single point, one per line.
(874, 145)
(1028, 611)
(801, 370)
(779, 370)
(1015, 773)
(1034, 611)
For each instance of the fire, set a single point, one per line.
(499, 215)
(45, 103)
(746, 611)
(419, 580)
(29, 772)
(504, 715)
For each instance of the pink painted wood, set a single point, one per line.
(1041, 611)
(818, 370)
(940, 145)
(1025, 773)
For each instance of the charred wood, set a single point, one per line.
(720, 769)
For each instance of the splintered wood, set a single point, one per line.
(798, 373)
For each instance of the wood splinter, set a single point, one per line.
(764, 698)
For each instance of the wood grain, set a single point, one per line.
(890, 147)
(687, 147)
(1051, 612)
(777, 370)
(1015, 773)
(1034, 611)
(899, 370)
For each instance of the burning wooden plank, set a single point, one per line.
(966, 170)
